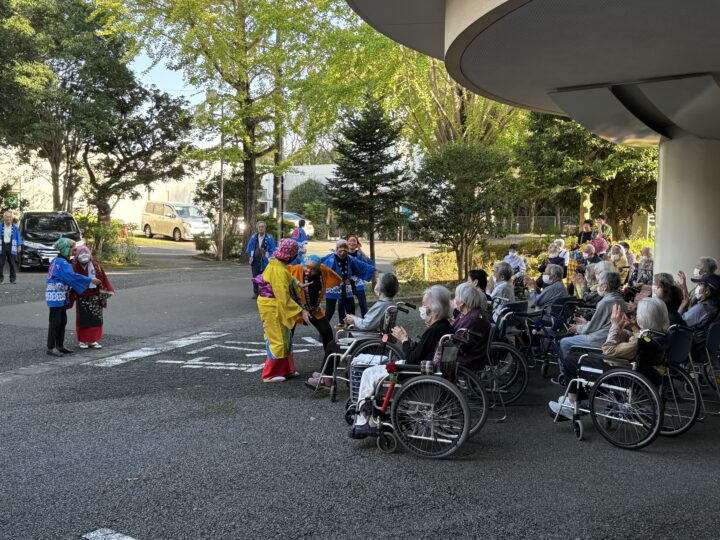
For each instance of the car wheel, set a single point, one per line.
(148, 231)
(177, 235)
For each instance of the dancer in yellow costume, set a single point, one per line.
(279, 311)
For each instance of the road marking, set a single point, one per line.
(264, 353)
(197, 363)
(106, 534)
(217, 346)
(246, 342)
(312, 342)
(144, 352)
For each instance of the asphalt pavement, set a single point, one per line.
(169, 433)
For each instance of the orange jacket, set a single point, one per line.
(329, 279)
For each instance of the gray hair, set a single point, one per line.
(470, 296)
(503, 270)
(620, 247)
(652, 314)
(588, 247)
(438, 299)
(709, 265)
(555, 270)
(648, 250)
(388, 284)
(259, 222)
(611, 279)
(7, 214)
(604, 266)
(560, 243)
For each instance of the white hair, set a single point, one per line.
(560, 243)
(470, 296)
(620, 247)
(553, 247)
(7, 214)
(652, 314)
(604, 266)
(709, 265)
(438, 299)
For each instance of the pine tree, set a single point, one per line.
(367, 189)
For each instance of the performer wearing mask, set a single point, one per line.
(60, 279)
(91, 303)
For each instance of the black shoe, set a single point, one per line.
(65, 351)
(559, 380)
(12, 282)
(361, 432)
(54, 352)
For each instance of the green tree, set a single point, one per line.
(310, 194)
(142, 140)
(367, 189)
(460, 196)
(562, 161)
(60, 93)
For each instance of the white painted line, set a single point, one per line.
(246, 342)
(312, 342)
(265, 353)
(170, 362)
(118, 359)
(216, 346)
(106, 534)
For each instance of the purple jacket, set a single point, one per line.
(473, 355)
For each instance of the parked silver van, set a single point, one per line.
(181, 221)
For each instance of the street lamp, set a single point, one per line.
(212, 94)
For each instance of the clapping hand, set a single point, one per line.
(400, 334)
(617, 318)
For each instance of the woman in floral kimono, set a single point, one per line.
(279, 312)
(92, 302)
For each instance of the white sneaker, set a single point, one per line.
(95, 345)
(565, 401)
(566, 413)
(83, 345)
(274, 379)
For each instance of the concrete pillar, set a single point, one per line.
(688, 203)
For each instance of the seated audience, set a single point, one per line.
(619, 261)
(472, 315)
(516, 261)
(554, 288)
(706, 308)
(642, 272)
(385, 289)
(553, 257)
(704, 267)
(630, 257)
(503, 290)
(672, 295)
(435, 312)
(622, 342)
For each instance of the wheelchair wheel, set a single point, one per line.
(387, 443)
(350, 414)
(545, 369)
(578, 429)
(510, 370)
(430, 417)
(473, 389)
(680, 397)
(375, 348)
(626, 409)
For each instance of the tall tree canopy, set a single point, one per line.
(367, 189)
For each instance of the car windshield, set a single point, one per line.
(188, 211)
(50, 224)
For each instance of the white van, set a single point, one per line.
(181, 221)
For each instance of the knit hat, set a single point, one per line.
(287, 250)
(600, 245)
(341, 242)
(64, 246)
(313, 259)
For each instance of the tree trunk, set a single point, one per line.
(533, 210)
(55, 181)
(459, 258)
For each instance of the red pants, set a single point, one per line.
(282, 367)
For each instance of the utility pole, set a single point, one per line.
(221, 238)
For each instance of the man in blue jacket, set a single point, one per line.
(258, 247)
(11, 240)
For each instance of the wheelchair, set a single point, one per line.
(628, 408)
(707, 368)
(352, 343)
(430, 410)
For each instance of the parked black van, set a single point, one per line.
(40, 231)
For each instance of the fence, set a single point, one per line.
(543, 224)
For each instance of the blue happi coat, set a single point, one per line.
(15, 237)
(359, 282)
(61, 278)
(270, 247)
(356, 268)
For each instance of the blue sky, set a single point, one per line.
(165, 79)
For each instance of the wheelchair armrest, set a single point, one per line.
(591, 350)
(408, 368)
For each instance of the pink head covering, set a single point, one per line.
(82, 249)
(600, 245)
(287, 250)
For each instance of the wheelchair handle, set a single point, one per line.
(403, 309)
(408, 304)
(649, 331)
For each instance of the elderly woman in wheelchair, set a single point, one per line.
(634, 385)
(435, 312)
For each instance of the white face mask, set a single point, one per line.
(586, 255)
(84, 259)
(644, 258)
(422, 310)
(696, 272)
(699, 293)
(601, 291)
(513, 253)
(615, 257)
(552, 254)
(654, 290)
(546, 279)
(458, 304)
